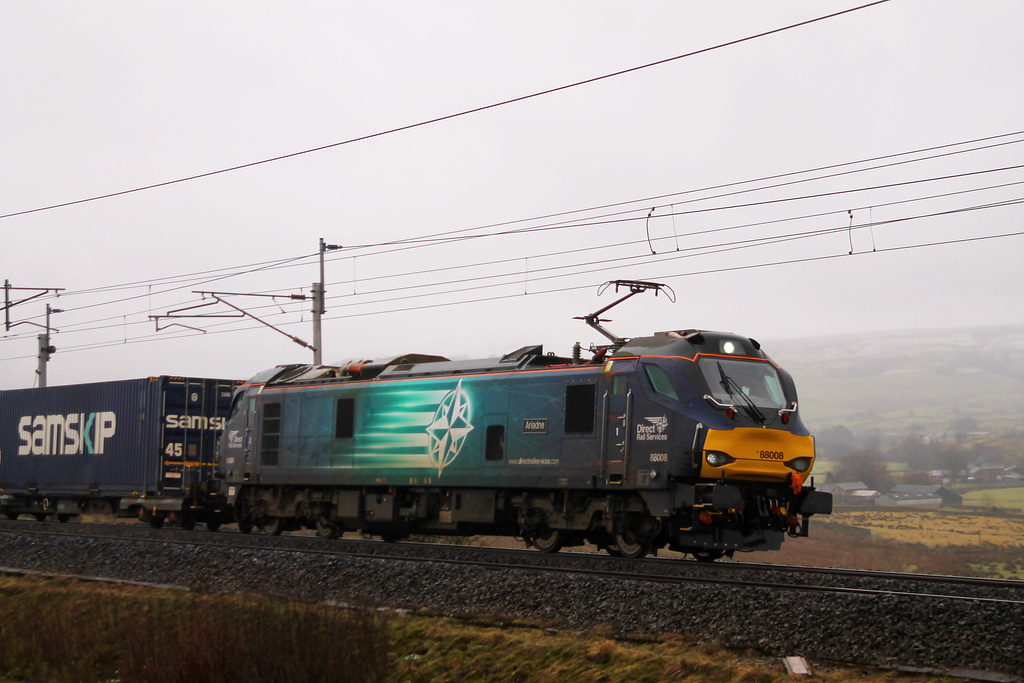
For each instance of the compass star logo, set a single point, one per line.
(448, 430)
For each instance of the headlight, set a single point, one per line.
(718, 459)
(799, 464)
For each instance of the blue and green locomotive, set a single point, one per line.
(689, 440)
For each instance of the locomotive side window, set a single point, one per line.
(660, 381)
(345, 418)
(495, 448)
(270, 446)
(579, 408)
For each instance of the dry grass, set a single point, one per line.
(56, 631)
(838, 543)
(436, 649)
(938, 529)
(64, 631)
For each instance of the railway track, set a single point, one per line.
(787, 578)
(877, 618)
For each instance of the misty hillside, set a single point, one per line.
(934, 382)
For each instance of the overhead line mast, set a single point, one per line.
(319, 308)
(319, 304)
(45, 348)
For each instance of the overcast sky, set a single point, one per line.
(103, 97)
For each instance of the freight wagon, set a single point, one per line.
(144, 448)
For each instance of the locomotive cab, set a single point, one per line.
(739, 440)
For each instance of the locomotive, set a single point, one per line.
(684, 439)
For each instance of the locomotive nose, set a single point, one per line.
(756, 454)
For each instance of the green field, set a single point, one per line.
(1005, 499)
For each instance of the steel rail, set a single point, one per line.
(506, 558)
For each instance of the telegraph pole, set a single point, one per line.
(319, 304)
(45, 349)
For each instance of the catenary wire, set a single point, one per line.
(449, 117)
(76, 327)
(794, 261)
(670, 256)
(292, 262)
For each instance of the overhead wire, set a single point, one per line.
(648, 260)
(234, 271)
(91, 325)
(449, 117)
(499, 297)
(645, 202)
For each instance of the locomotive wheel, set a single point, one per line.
(549, 543)
(627, 546)
(707, 555)
(272, 526)
(325, 528)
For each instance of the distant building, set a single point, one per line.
(994, 473)
(895, 499)
(851, 493)
(946, 497)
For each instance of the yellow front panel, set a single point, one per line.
(760, 453)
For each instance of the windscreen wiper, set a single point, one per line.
(749, 407)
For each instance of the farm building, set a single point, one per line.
(851, 493)
(895, 499)
(947, 497)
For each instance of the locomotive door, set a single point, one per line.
(247, 435)
(617, 408)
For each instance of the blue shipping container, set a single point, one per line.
(140, 437)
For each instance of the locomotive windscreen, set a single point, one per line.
(758, 381)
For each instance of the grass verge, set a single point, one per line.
(64, 632)
(56, 631)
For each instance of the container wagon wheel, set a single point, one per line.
(325, 528)
(156, 521)
(244, 527)
(549, 542)
(213, 525)
(188, 522)
(63, 518)
(12, 515)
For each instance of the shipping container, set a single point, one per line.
(141, 446)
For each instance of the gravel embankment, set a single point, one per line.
(883, 630)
